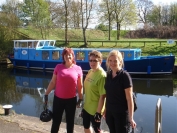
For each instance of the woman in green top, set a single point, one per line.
(94, 93)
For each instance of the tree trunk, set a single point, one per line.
(85, 39)
(66, 24)
(41, 32)
(118, 30)
(66, 34)
(109, 34)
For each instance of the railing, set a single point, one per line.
(117, 42)
(158, 117)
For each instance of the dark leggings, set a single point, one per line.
(59, 105)
(87, 118)
(117, 122)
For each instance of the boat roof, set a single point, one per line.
(31, 40)
(75, 49)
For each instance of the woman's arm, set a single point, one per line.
(51, 84)
(101, 103)
(80, 92)
(129, 97)
(104, 112)
(80, 87)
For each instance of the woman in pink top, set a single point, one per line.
(66, 78)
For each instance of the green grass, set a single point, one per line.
(59, 34)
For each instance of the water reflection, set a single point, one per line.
(8, 92)
(163, 86)
(25, 90)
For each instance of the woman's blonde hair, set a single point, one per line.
(96, 54)
(118, 55)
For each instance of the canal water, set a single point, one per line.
(25, 89)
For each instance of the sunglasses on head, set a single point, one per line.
(93, 60)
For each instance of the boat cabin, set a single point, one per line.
(46, 50)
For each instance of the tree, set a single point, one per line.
(38, 11)
(57, 12)
(11, 6)
(173, 14)
(144, 7)
(66, 5)
(75, 14)
(106, 11)
(123, 10)
(8, 24)
(86, 8)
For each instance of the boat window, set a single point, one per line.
(46, 43)
(55, 55)
(137, 54)
(35, 43)
(45, 55)
(52, 43)
(29, 44)
(41, 43)
(80, 55)
(105, 55)
(23, 44)
(17, 44)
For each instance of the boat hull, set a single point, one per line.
(145, 65)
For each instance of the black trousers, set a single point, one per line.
(117, 122)
(59, 106)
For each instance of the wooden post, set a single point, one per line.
(158, 117)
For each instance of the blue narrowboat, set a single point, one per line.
(44, 55)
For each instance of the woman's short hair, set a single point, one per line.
(96, 54)
(118, 55)
(68, 51)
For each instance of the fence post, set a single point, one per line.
(158, 117)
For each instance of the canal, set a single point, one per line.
(25, 89)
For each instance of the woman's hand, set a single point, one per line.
(104, 114)
(97, 117)
(133, 123)
(79, 103)
(45, 99)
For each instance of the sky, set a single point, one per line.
(154, 1)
